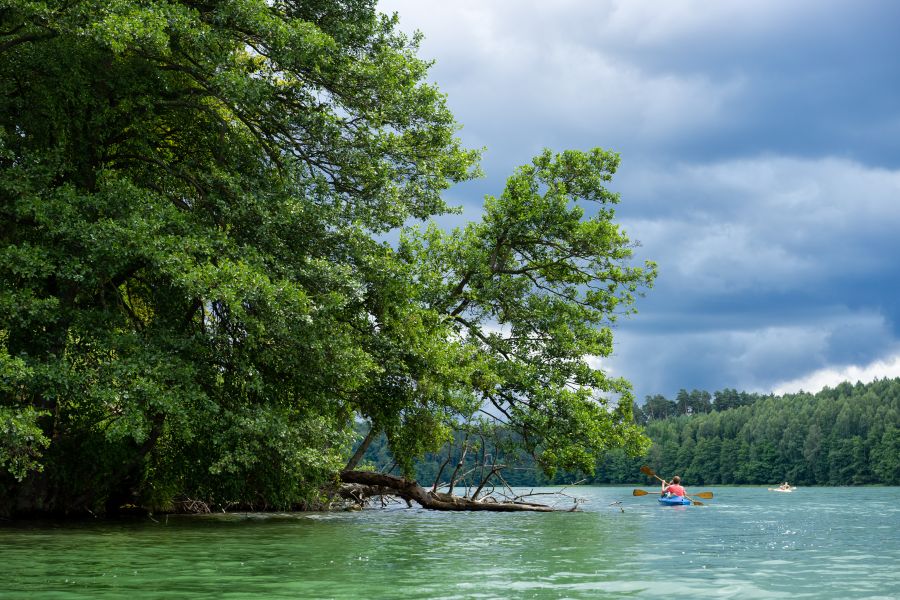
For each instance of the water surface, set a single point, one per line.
(745, 543)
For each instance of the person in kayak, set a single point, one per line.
(674, 488)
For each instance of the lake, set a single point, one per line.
(745, 543)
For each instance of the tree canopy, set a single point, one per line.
(196, 298)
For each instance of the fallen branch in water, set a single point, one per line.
(365, 484)
(192, 506)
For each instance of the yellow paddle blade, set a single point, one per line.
(639, 493)
(650, 473)
(707, 495)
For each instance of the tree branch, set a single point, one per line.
(361, 451)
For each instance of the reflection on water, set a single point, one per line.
(747, 543)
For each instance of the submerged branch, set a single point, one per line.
(411, 491)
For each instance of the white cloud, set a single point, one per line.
(831, 376)
(714, 258)
(506, 64)
(662, 23)
(606, 23)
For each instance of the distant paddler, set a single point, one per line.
(784, 487)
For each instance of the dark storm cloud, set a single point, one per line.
(761, 167)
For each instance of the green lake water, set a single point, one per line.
(745, 543)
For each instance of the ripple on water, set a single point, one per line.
(743, 544)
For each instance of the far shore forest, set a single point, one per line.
(846, 435)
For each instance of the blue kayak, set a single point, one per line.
(673, 501)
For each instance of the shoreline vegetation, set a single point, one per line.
(374, 488)
(198, 306)
(197, 299)
(847, 435)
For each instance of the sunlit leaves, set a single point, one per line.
(531, 293)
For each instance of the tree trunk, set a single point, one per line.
(437, 478)
(462, 459)
(361, 451)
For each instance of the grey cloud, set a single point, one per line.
(761, 164)
(752, 359)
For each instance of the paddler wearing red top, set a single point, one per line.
(674, 488)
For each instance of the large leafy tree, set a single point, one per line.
(194, 297)
(530, 294)
(522, 303)
(189, 192)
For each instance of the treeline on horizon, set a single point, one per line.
(846, 435)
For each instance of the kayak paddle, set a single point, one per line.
(649, 472)
(705, 495)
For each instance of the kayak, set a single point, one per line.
(781, 489)
(673, 501)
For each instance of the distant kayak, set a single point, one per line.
(782, 489)
(673, 501)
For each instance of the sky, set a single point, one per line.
(760, 149)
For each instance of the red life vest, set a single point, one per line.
(675, 490)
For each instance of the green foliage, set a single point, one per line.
(188, 198)
(885, 455)
(21, 437)
(844, 436)
(21, 441)
(841, 436)
(529, 294)
(193, 298)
